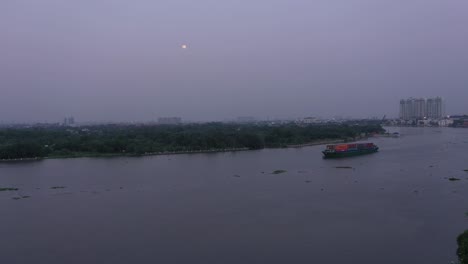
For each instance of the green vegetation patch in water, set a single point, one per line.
(453, 179)
(8, 189)
(278, 171)
(462, 250)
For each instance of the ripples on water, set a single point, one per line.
(395, 206)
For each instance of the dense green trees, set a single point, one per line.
(139, 139)
(462, 251)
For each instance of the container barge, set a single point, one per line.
(348, 150)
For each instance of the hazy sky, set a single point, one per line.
(122, 60)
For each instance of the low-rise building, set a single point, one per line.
(445, 122)
(169, 120)
(310, 120)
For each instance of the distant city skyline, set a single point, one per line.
(124, 61)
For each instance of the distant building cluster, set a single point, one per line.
(459, 121)
(421, 108)
(69, 121)
(169, 120)
(311, 120)
(428, 112)
(245, 119)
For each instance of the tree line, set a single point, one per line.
(59, 141)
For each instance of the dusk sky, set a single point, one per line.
(121, 60)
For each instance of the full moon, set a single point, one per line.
(184, 46)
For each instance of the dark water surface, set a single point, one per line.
(395, 206)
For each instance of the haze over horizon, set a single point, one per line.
(122, 60)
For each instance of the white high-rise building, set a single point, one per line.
(435, 108)
(412, 108)
(420, 108)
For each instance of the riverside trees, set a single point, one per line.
(57, 141)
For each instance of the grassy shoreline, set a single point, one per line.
(166, 153)
(34, 143)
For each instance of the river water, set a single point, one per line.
(394, 206)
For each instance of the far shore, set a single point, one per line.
(110, 155)
(322, 142)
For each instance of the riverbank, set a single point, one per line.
(113, 155)
(131, 140)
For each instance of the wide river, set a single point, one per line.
(395, 206)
